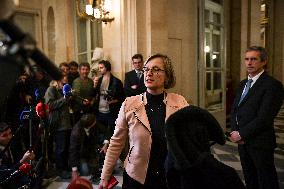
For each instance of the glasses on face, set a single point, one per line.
(154, 70)
(253, 59)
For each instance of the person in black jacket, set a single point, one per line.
(109, 96)
(89, 139)
(134, 80)
(257, 102)
(8, 162)
(190, 164)
(59, 126)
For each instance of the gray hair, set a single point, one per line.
(261, 50)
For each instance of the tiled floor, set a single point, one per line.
(63, 184)
(228, 154)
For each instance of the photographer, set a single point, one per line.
(59, 125)
(17, 100)
(8, 163)
(88, 141)
(109, 96)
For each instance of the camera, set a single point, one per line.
(108, 96)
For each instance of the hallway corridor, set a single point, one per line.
(228, 154)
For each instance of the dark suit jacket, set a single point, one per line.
(132, 79)
(257, 111)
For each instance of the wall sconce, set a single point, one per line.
(95, 10)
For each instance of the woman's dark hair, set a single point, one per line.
(106, 63)
(168, 67)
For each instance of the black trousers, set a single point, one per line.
(174, 178)
(62, 140)
(153, 181)
(258, 167)
(107, 119)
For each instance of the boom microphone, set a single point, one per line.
(16, 35)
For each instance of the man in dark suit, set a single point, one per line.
(257, 102)
(134, 80)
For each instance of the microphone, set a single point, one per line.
(68, 91)
(28, 44)
(25, 115)
(39, 94)
(25, 168)
(41, 110)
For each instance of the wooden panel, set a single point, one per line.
(175, 53)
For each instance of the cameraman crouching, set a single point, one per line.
(88, 142)
(8, 165)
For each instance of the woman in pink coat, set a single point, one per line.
(141, 120)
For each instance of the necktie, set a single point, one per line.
(248, 84)
(139, 74)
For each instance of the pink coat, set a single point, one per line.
(132, 123)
